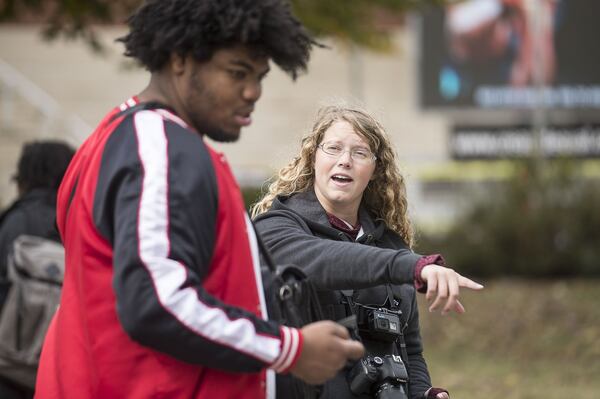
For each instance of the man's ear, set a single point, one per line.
(177, 63)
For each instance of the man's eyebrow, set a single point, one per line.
(246, 65)
(243, 64)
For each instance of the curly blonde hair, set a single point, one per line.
(384, 197)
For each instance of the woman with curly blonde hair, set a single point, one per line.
(339, 211)
(384, 196)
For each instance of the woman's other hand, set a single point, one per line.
(437, 393)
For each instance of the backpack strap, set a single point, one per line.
(264, 251)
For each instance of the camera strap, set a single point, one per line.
(395, 306)
(264, 251)
(351, 306)
(393, 303)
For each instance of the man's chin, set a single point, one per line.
(223, 136)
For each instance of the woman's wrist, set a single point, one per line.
(432, 393)
(435, 259)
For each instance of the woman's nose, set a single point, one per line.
(345, 158)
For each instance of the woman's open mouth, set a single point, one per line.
(341, 179)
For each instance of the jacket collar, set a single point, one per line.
(35, 195)
(307, 206)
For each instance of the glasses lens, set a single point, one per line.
(332, 149)
(357, 154)
(361, 154)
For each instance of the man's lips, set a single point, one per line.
(243, 120)
(243, 116)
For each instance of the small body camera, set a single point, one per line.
(379, 323)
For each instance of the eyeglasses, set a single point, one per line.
(358, 154)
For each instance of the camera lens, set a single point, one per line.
(390, 391)
(384, 324)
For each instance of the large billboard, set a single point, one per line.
(496, 54)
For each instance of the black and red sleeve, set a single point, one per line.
(156, 203)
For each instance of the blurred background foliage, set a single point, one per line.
(533, 225)
(366, 23)
(519, 339)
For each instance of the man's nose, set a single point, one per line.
(252, 92)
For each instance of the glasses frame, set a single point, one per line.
(372, 159)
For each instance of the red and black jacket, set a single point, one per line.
(162, 294)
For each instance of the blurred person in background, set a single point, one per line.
(339, 211)
(162, 294)
(40, 170)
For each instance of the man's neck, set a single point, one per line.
(160, 90)
(155, 93)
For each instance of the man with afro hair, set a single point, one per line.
(162, 295)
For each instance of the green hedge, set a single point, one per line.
(251, 195)
(537, 225)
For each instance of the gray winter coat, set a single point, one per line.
(296, 230)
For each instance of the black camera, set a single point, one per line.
(379, 323)
(382, 376)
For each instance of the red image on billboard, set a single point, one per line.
(498, 53)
